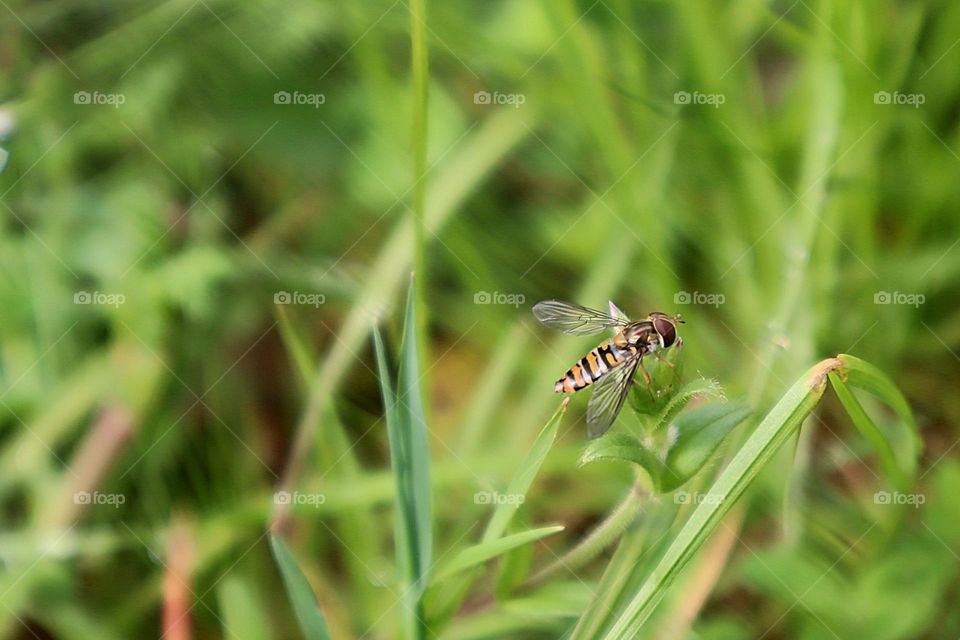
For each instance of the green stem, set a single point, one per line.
(421, 73)
(605, 534)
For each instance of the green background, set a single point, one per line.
(784, 174)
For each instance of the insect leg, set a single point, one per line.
(646, 377)
(676, 374)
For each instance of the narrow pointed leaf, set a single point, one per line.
(520, 484)
(297, 346)
(394, 436)
(782, 421)
(866, 426)
(903, 439)
(415, 469)
(301, 596)
(515, 564)
(478, 553)
(406, 431)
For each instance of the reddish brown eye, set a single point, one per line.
(666, 330)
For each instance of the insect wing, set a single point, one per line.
(573, 319)
(609, 394)
(617, 312)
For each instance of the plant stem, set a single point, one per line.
(599, 539)
(420, 75)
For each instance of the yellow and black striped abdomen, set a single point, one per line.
(592, 367)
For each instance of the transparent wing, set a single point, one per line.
(617, 312)
(609, 394)
(574, 319)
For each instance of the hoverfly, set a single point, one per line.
(613, 363)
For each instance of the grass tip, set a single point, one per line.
(818, 374)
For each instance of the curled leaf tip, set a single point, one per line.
(566, 401)
(819, 372)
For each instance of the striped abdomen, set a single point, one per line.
(593, 366)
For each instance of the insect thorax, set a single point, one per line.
(634, 334)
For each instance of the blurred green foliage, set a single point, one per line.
(206, 205)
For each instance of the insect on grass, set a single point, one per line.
(613, 363)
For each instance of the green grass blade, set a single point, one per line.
(479, 553)
(460, 174)
(302, 600)
(515, 565)
(521, 482)
(298, 347)
(504, 513)
(870, 431)
(407, 435)
(782, 421)
(904, 443)
(415, 469)
(396, 444)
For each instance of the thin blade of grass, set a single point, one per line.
(521, 482)
(396, 443)
(466, 168)
(298, 347)
(302, 600)
(415, 469)
(870, 431)
(782, 421)
(478, 553)
(406, 433)
(903, 444)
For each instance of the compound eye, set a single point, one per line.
(666, 330)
